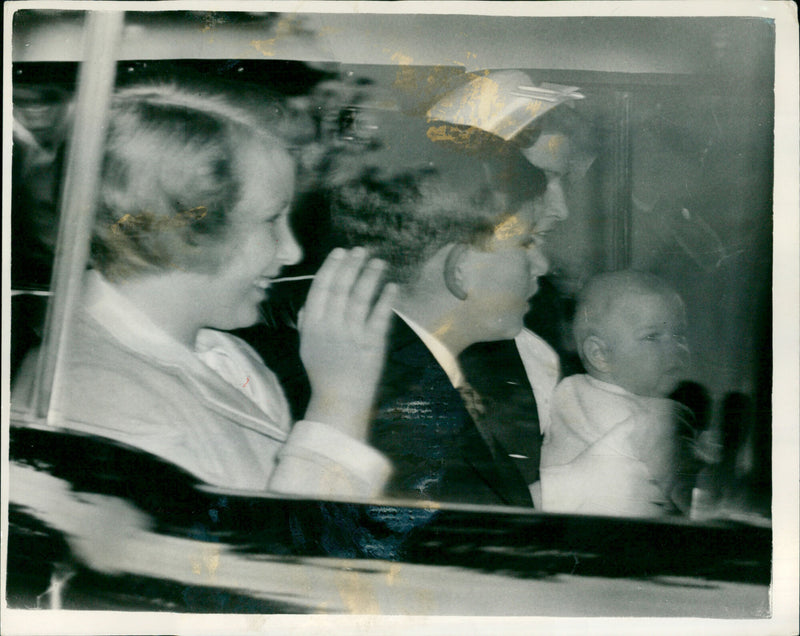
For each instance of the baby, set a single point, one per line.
(611, 447)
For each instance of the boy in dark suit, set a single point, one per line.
(467, 258)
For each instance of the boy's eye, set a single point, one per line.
(537, 238)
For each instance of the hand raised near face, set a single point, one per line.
(343, 329)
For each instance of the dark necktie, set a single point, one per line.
(473, 401)
(494, 370)
(508, 481)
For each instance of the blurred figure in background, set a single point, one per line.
(42, 117)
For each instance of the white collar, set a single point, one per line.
(122, 318)
(442, 354)
(134, 328)
(608, 386)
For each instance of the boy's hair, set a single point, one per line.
(406, 218)
(599, 295)
(170, 179)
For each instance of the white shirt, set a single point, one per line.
(441, 354)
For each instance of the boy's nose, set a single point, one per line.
(554, 198)
(539, 264)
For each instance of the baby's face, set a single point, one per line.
(646, 338)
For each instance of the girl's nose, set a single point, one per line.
(289, 250)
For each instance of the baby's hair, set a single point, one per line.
(600, 294)
(170, 179)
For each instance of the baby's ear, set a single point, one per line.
(595, 353)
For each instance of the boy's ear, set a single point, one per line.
(595, 353)
(454, 270)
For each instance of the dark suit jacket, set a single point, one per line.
(423, 426)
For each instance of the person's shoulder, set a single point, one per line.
(570, 396)
(579, 382)
(100, 372)
(584, 397)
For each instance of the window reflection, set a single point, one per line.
(699, 176)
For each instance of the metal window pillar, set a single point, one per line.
(103, 30)
(621, 217)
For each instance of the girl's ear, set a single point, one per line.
(454, 266)
(595, 353)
